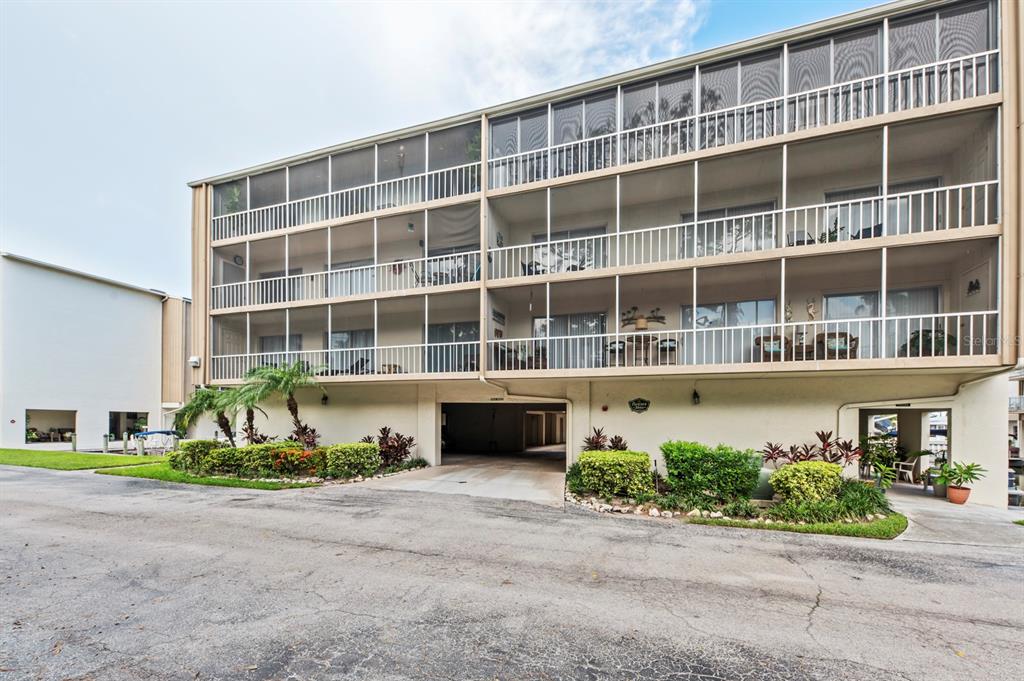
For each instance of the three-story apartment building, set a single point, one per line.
(751, 243)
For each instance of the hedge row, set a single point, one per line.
(276, 459)
(616, 473)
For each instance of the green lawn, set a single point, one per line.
(889, 527)
(1018, 522)
(69, 461)
(163, 471)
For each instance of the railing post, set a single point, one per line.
(124, 442)
(883, 301)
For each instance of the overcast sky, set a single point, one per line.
(108, 109)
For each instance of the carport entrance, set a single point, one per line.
(488, 432)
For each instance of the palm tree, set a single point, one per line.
(263, 382)
(244, 398)
(204, 401)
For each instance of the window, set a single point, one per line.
(573, 324)
(899, 302)
(742, 313)
(307, 179)
(356, 338)
(453, 332)
(267, 189)
(229, 197)
(277, 343)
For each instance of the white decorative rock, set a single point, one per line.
(695, 513)
(653, 513)
(715, 514)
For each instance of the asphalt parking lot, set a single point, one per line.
(113, 578)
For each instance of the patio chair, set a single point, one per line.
(360, 366)
(771, 348)
(905, 469)
(667, 348)
(616, 351)
(836, 345)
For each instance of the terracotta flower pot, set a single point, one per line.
(957, 495)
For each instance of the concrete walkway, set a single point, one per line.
(934, 519)
(537, 476)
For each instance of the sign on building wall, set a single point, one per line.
(639, 405)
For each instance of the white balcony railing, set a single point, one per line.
(429, 186)
(418, 359)
(438, 270)
(965, 205)
(958, 334)
(942, 208)
(935, 83)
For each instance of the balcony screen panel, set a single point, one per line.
(718, 88)
(676, 97)
(638, 106)
(809, 67)
(401, 158)
(533, 128)
(912, 42)
(857, 56)
(455, 146)
(454, 226)
(356, 338)
(762, 78)
(352, 169)
(503, 137)
(964, 31)
(600, 114)
(567, 122)
(229, 198)
(914, 301)
(307, 179)
(267, 189)
(228, 336)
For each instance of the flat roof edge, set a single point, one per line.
(802, 32)
(86, 275)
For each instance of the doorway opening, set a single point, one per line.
(918, 440)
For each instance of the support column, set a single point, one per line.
(578, 394)
(428, 423)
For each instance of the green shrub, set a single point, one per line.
(740, 508)
(407, 465)
(574, 479)
(189, 454)
(807, 481)
(251, 461)
(723, 473)
(350, 460)
(854, 500)
(617, 473)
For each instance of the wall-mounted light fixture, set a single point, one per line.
(323, 400)
(410, 227)
(696, 397)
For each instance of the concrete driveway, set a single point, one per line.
(537, 476)
(112, 578)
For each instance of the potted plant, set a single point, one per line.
(957, 477)
(938, 488)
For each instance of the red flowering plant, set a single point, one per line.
(843, 452)
(295, 462)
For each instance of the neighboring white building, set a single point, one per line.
(83, 354)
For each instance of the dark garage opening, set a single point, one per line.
(524, 431)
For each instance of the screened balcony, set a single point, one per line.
(418, 335)
(934, 301)
(434, 166)
(424, 249)
(934, 57)
(843, 188)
